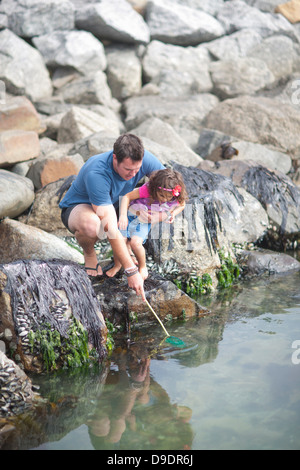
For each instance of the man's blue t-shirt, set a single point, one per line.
(97, 182)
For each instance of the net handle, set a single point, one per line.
(156, 316)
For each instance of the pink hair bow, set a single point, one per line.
(175, 191)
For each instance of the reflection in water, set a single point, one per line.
(135, 412)
(120, 403)
(233, 386)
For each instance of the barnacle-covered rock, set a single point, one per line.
(50, 316)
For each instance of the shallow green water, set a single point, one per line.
(235, 384)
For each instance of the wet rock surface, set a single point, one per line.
(16, 389)
(122, 307)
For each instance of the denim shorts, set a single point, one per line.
(136, 228)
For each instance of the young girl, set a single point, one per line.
(161, 199)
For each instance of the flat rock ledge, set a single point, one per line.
(262, 262)
(122, 307)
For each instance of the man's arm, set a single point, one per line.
(108, 218)
(126, 199)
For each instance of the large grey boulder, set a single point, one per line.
(264, 5)
(266, 262)
(240, 76)
(77, 49)
(259, 120)
(262, 155)
(179, 24)
(177, 70)
(35, 17)
(210, 143)
(79, 123)
(164, 134)
(31, 243)
(124, 71)
(94, 144)
(16, 194)
(209, 6)
(45, 213)
(115, 20)
(22, 68)
(234, 45)
(236, 15)
(278, 53)
(181, 112)
(87, 90)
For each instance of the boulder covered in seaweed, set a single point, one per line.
(217, 215)
(276, 192)
(50, 316)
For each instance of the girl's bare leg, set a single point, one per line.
(136, 244)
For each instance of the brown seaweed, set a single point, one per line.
(273, 189)
(36, 282)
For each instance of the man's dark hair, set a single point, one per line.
(128, 145)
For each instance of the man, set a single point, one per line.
(89, 206)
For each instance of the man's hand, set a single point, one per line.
(144, 216)
(136, 282)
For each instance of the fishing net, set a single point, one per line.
(175, 341)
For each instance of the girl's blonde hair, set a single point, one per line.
(167, 179)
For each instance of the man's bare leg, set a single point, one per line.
(85, 225)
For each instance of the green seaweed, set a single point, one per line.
(195, 285)
(229, 271)
(52, 346)
(110, 342)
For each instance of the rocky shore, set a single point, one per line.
(211, 87)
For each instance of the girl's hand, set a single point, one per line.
(170, 219)
(123, 222)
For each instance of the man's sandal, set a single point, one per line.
(98, 276)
